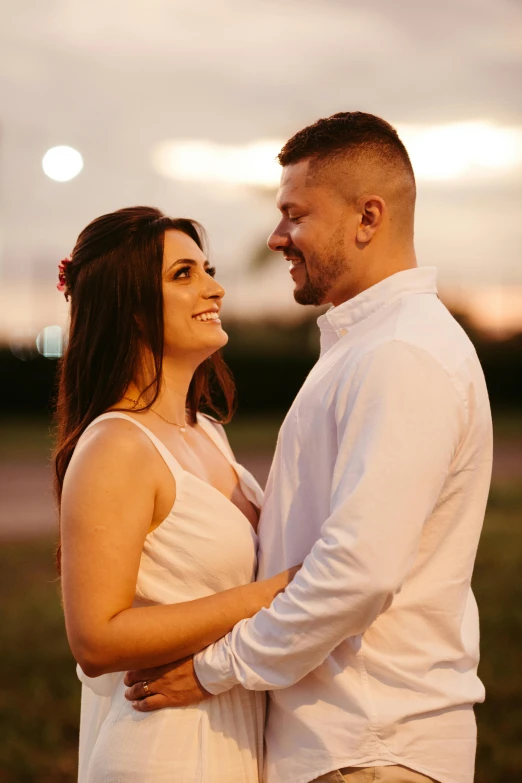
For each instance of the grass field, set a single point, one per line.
(39, 695)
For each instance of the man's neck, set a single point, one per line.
(373, 273)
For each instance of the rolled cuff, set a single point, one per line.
(213, 670)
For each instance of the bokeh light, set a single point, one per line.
(22, 344)
(62, 163)
(50, 342)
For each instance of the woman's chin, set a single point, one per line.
(217, 340)
(221, 337)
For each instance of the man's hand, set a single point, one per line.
(173, 685)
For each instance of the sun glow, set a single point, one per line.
(205, 161)
(467, 149)
(456, 151)
(62, 163)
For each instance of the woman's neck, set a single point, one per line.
(171, 401)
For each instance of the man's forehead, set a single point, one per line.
(294, 186)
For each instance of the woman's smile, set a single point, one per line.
(190, 291)
(208, 317)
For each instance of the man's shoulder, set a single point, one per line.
(418, 326)
(425, 324)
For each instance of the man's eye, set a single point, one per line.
(294, 218)
(211, 270)
(183, 272)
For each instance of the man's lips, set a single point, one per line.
(294, 260)
(297, 269)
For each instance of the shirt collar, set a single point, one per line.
(337, 321)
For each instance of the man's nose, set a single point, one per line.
(277, 240)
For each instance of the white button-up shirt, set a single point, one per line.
(379, 483)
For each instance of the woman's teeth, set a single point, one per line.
(207, 317)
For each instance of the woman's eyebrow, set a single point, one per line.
(189, 261)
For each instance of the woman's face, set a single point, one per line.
(191, 300)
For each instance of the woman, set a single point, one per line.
(158, 541)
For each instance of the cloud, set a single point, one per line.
(114, 79)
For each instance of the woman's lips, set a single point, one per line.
(210, 317)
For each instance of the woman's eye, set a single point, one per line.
(185, 272)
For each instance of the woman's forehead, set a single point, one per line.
(179, 245)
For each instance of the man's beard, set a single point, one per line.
(327, 270)
(310, 293)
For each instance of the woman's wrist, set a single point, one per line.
(276, 584)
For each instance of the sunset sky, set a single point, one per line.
(118, 81)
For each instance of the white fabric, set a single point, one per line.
(205, 545)
(380, 481)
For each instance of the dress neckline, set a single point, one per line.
(167, 456)
(215, 490)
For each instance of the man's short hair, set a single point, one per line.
(345, 134)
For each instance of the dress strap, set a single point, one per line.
(215, 432)
(171, 462)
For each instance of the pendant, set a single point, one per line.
(182, 429)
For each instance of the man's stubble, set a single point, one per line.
(326, 269)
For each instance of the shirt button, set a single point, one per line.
(343, 332)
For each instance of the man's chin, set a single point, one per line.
(307, 295)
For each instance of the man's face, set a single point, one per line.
(313, 234)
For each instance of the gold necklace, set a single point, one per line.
(182, 427)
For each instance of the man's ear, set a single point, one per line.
(371, 211)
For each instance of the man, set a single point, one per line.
(379, 483)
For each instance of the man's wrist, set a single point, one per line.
(211, 670)
(204, 692)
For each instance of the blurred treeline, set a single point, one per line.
(270, 361)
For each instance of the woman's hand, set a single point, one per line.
(176, 685)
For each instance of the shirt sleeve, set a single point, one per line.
(400, 420)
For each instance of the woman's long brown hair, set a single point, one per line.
(114, 280)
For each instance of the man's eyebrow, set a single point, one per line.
(286, 206)
(187, 262)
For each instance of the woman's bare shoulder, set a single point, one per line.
(111, 443)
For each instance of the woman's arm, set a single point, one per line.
(108, 502)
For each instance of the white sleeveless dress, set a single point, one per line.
(205, 545)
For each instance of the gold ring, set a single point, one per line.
(146, 688)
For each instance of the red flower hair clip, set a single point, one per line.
(62, 266)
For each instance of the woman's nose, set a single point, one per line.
(215, 290)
